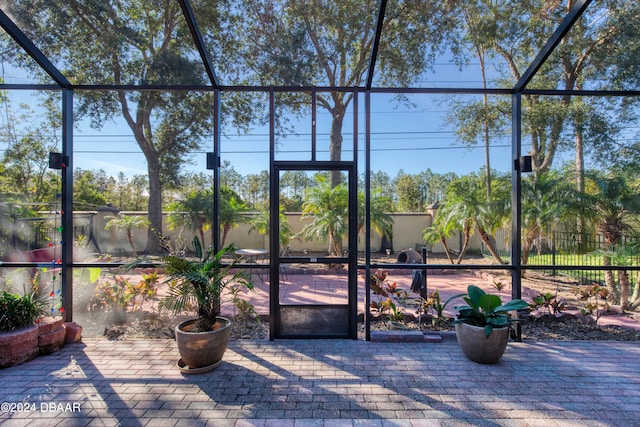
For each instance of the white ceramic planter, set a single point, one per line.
(477, 347)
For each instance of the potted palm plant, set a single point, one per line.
(198, 284)
(482, 326)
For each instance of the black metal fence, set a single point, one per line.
(34, 233)
(575, 249)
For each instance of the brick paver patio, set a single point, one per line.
(327, 383)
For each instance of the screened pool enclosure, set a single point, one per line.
(327, 141)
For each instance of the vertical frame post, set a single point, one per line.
(274, 232)
(516, 202)
(67, 205)
(353, 229)
(215, 233)
(314, 122)
(367, 217)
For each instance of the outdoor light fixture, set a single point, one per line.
(526, 164)
(57, 161)
(212, 161)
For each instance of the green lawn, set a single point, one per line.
(588, 259)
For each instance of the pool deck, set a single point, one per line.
(295, 383)
(326, 383)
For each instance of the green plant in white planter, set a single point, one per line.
(482, 326)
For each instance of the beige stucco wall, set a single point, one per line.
(407, 233)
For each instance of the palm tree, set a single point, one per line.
(438, 232)
(613, 207)
(128, 223)
(381, 221)
(468, 207)
(199, 282)
(195, 212)
(262, 224)
(625, 254)
(231, 211)
(545, 200)
(445, 223)
(328, 207)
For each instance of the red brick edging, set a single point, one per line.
(25, 344)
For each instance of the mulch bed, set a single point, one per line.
(570, 328)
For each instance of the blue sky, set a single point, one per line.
(412, 138)
(409, 138)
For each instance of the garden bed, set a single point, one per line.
(567, 328)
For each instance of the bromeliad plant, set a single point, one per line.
(434, 303)
(486, 310)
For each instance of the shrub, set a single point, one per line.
(595, 299)
(19, 311)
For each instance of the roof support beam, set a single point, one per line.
(376, 43)
(21, 38)
(565, 26)
(187, 11)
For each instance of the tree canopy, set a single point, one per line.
(329, 43)
(124, 43)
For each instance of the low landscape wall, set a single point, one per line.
(407, 233)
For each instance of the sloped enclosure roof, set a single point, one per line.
(253, 44)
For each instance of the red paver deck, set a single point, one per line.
(331, 288)
(332, 383)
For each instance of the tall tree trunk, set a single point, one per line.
(335, 154)
(486, 239)
(579, 176)
(623, 279)
(130, 239)
(487, 162)
(335, 246)
(155, 206)
(485, 124)
(446, 249)
(386, 243)
(225, 230)
(465, 245)
(480, 52)
(579, 160)
(609, 280)
(526, 249)
(145, 142)
(634, 302)
(335, 144)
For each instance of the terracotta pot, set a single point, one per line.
(202, 351)
(477, 347)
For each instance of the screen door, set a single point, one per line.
(313, 276)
